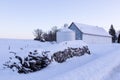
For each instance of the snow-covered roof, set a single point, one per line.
(88, 29)
(65, 29)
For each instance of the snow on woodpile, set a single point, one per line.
(75, 44)
(66, 44)
(70, 49)
(22, 58)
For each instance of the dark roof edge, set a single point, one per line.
(75, 26)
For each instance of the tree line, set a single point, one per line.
(42, 36)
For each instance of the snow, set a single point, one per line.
(65, 29)
(102, 64)
(92, 70)
(66, 44)
(114, 74)
(88, 29)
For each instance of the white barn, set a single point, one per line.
(90, 34)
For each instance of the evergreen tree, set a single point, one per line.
(118, 40)
(112, 32)
(54, 32)
(50, 37)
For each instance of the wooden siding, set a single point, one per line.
(78, 33)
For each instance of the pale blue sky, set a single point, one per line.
(19, 18)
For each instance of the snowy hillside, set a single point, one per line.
(102, 64)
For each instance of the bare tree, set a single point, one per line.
(38, 34)
(43, 36)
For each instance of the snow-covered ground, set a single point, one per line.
(102, 64)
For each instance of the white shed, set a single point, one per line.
(65, 34)
(90, 34)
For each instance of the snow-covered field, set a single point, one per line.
(102, 64)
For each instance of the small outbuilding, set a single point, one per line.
(90, 34)
(65, 34)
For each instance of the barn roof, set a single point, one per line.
(94, 30)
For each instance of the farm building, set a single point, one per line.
(90, 34)
(65, 34)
